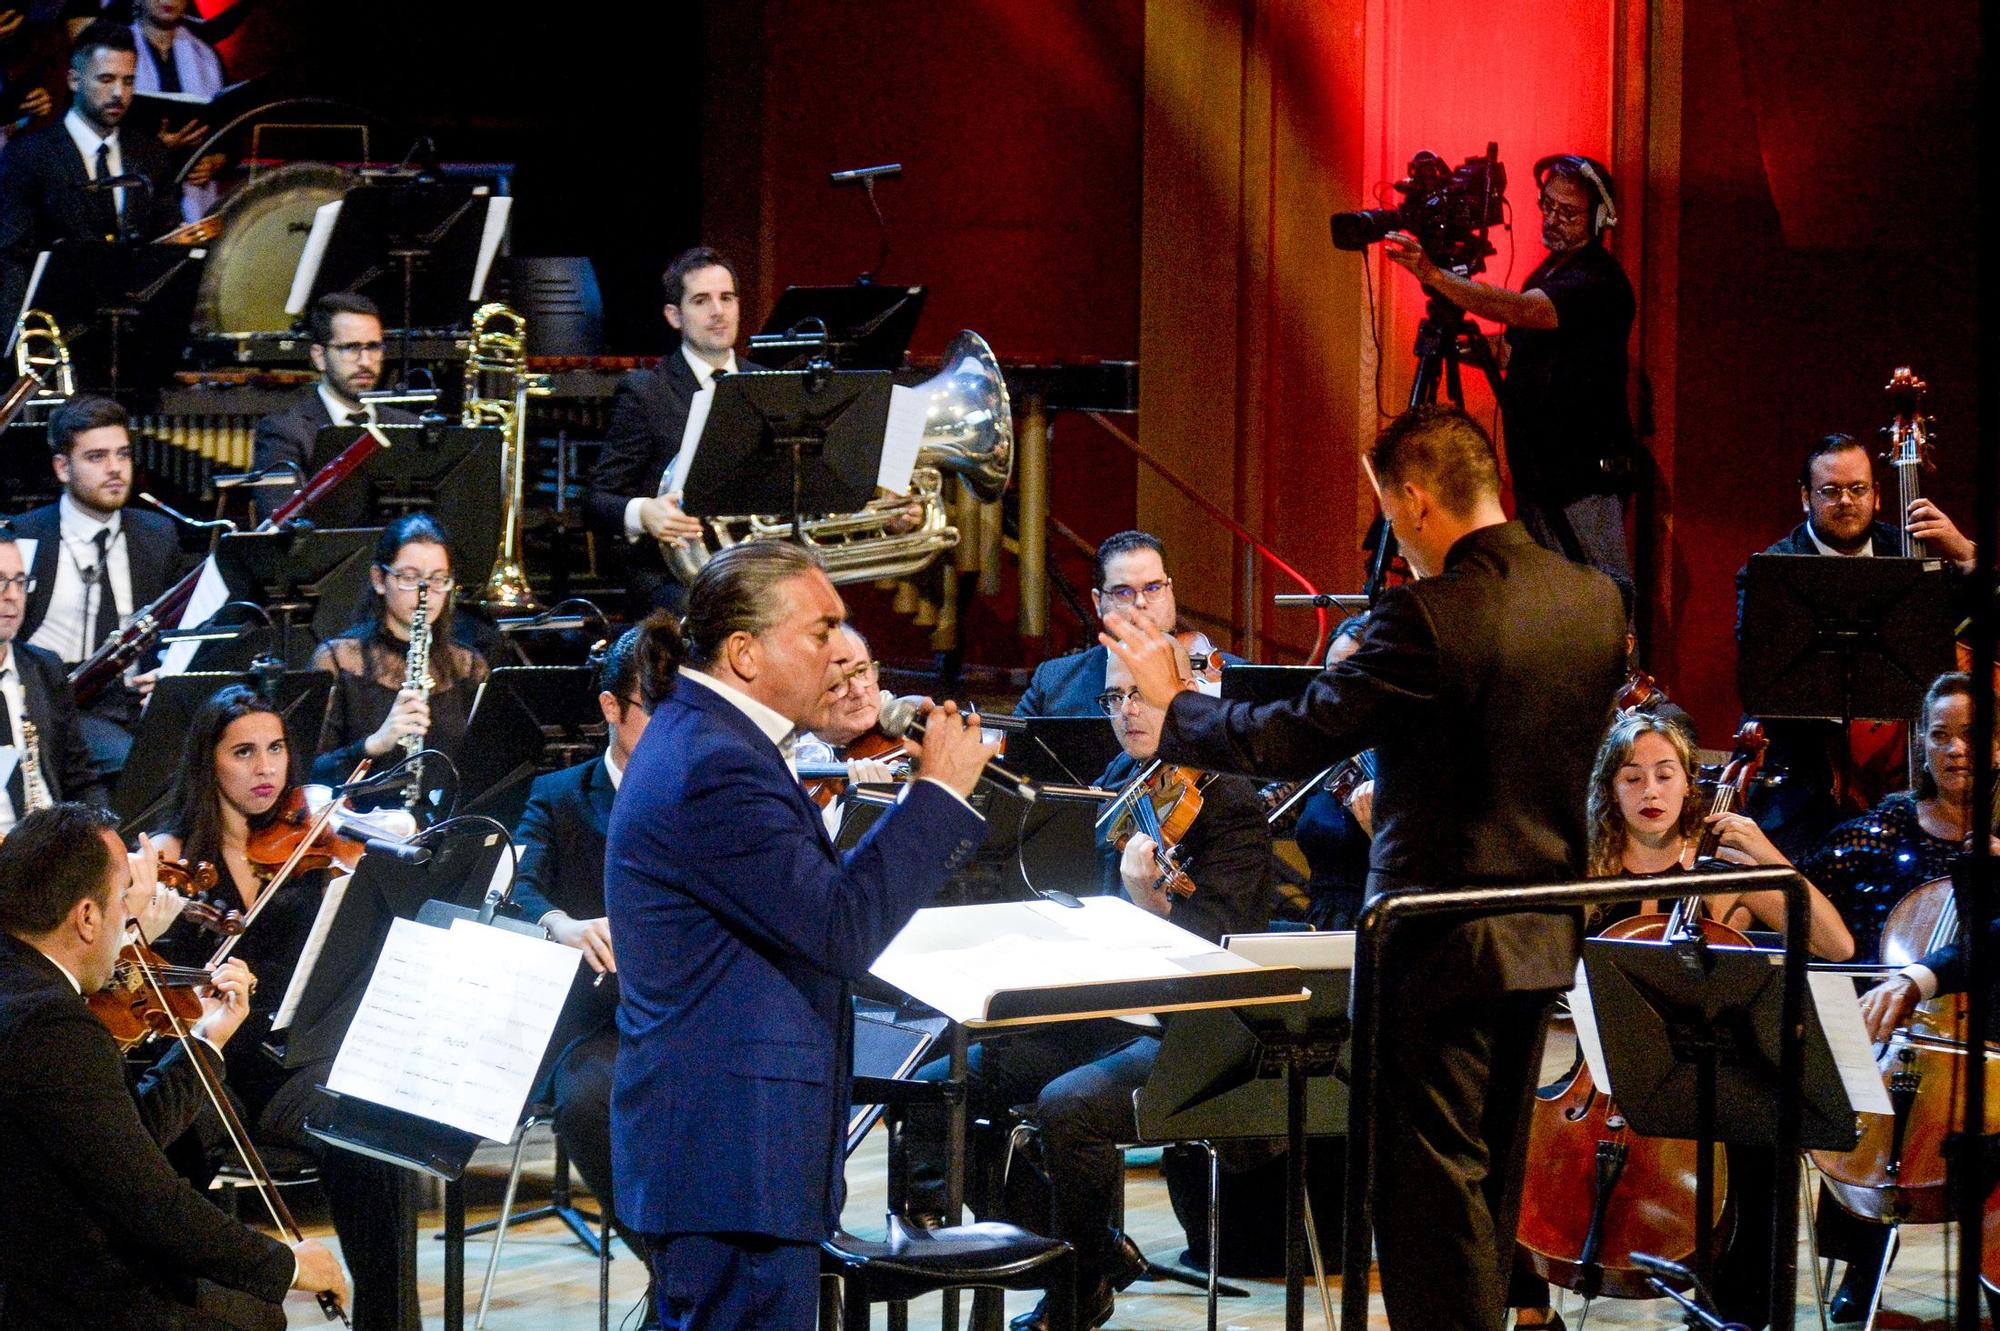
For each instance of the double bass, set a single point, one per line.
(1602, 1192)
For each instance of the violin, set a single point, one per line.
(1339, 781)
(1204, 660)
(1642, 693)
(296, 831)
(1601, 1191)
(193, 882)
(146, 996)
(1162, 802)
(825, 782)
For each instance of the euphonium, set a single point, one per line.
(497, 389)
(968, 431)
(41, 350)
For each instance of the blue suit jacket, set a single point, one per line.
(739, 927)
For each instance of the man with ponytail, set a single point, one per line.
(739, 930)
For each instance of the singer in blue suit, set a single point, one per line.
(739, 929)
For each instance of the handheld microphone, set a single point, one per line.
(861, 173)
(899, 718)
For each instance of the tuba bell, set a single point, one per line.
(968, 433)
(497, 389)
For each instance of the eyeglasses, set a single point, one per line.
(1112, 701)
(1858, 491)
(19, 582)
(855, 673)
(355, 350)
(1122, 596)
(408, 580)
(1562, 212)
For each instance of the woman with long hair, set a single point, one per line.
(372, 712)
(237, 774)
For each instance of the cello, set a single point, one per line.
(1603, 1192)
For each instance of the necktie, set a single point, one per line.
(108, 207)
(105, 624)
(16, 791)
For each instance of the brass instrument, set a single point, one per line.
(35, 791)
(41, 350)
(417, 678)
(968, 432)
(497, 389)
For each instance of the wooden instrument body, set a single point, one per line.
(1896, 1173)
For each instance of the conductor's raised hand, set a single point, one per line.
(1149, 654)
(953, 749)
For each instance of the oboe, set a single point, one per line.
(35, 791)
(417, 678)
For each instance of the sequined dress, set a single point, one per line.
(1867, 864)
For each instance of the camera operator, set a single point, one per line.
(1569, 436)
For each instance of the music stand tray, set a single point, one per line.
(1830, 638)
(125, 308)
(788, 443)
(410, 245)
(451, 471)
(859, 327)
(322, 572)
(519, 715)
(148, 777)
(1065, 750)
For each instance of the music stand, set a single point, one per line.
(450, 471)
(1693, 1036)
(1055, 846)
(413, 245)
(799, 444)
(525, 720)
(149, 773)
(1063, 750)
(859, 327)
(301, 576)
(139, 296)
(1829, 638)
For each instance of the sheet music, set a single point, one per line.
(1853, 1054)
(316, 241)
(27, 303)
(211, 593)
(901, 439)
(10, 758)
(454, 1024)
(329, 906)
(956, 958)
(1584, 1014)
(497, 212)
(675, 481)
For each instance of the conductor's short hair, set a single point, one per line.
(1442, 449)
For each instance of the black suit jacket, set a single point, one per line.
(152, 551)
(96, 1229)
(288, 436)
(43, 200)
(562, 834)
(66, 764)
(1485, 692)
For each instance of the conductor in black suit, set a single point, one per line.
(34, 690)
(560, 886)
(96, 562)
(346, 348)
(649, 413)
(45, 176)
(96, 1229)
(1484, 689)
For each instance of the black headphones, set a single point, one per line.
(1606, 214)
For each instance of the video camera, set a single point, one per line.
(1447, 210)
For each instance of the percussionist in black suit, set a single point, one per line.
(346, 348)
(45, 177)
(95, 562)
(96, 1229)
(1484, 689)
(649, 413)
(560, 886)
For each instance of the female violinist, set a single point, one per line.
(236, 781)
(1645, 821)
(376, 705)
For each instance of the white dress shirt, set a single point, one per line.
(66, 622)
(704, 379)
(1867, 546)
(86, 139)
(781, 732)
(16, 700)
(338, 412)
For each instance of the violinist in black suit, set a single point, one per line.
(1484, 689)
(96, 562)
(34, 689)
(97, 1232)
(649, 413)
(346, 348)
(45, 177)
(560, 886)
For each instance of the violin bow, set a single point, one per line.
(279, 879)
(239, 1136)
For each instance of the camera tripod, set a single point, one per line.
(1446, 338)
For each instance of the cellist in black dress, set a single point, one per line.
(373, 710)
(236, 778)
